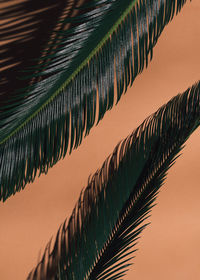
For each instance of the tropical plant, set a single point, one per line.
(54, 104)
(63, 71)
(98, 241)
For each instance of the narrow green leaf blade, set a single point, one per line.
(110, 213)
(53, 104)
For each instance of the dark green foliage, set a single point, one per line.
(66, 55)
(98, 241)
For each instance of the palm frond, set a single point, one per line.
(59, 64)
(98, 241)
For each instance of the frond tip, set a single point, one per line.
(98, 241)
(60, 66)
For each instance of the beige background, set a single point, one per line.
(170, 246)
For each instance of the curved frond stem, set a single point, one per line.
(64, 81)
(98, 241)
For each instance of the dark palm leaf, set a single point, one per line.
(59, 61)
(98, 241)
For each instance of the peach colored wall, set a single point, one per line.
(170, 246)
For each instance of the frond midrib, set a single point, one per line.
(73, 75)
(135, 198)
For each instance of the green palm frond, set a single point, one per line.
(98, 241)
(61, 59)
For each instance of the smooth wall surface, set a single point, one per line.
(169, 247)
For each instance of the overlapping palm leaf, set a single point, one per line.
(98, 240)
(60, 63)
